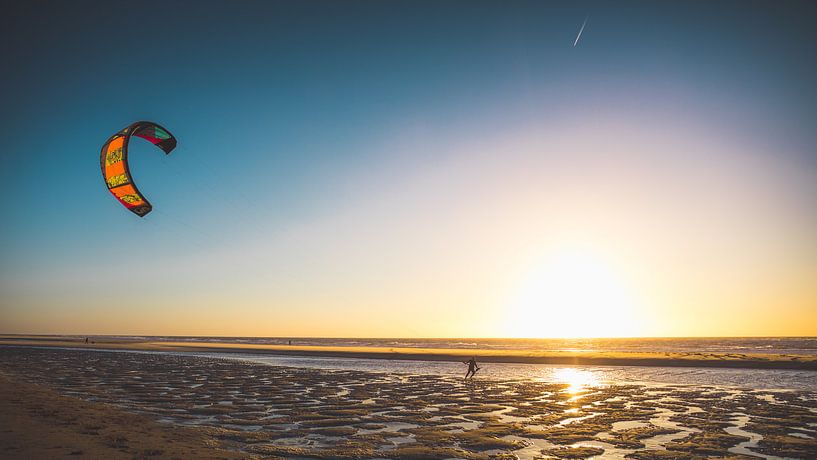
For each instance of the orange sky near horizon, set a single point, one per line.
(611, 244)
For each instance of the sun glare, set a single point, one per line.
(572, 294)
(575, 379)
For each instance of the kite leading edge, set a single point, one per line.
(114, 163)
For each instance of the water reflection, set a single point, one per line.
(746, 378)
(577, 380)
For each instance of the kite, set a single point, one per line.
(114, 163)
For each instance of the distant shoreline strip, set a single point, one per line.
(645, 359)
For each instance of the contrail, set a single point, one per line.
(580, 32)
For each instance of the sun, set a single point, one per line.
(572, 293)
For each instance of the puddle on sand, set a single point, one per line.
(743, 448)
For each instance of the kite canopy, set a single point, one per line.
(114, 163)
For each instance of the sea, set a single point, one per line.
(744, 345)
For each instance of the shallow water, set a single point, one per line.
(743, 378)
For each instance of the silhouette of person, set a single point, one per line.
(472, 367)
(86, 339)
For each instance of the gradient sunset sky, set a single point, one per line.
(420, 168)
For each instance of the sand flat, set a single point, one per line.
(38, 422)
(284, 411)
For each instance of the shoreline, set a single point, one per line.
(582, 358)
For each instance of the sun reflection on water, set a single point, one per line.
(577, 380)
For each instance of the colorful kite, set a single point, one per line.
(114, 163)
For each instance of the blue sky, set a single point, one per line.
(311, 127)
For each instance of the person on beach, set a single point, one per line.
(472, 367)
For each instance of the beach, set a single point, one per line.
(254, 409)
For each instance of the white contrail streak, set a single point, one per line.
(580, 32)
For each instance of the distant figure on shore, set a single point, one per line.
(290, 342)
(86, 339)
(472, 367)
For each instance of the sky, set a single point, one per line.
(412, 169)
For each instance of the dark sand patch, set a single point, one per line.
(39, 423)
(573, 452)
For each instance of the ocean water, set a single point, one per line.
(737, 345)
(754, 379)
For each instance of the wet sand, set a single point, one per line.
(271, 411)
(37, 422)
(573, 358)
